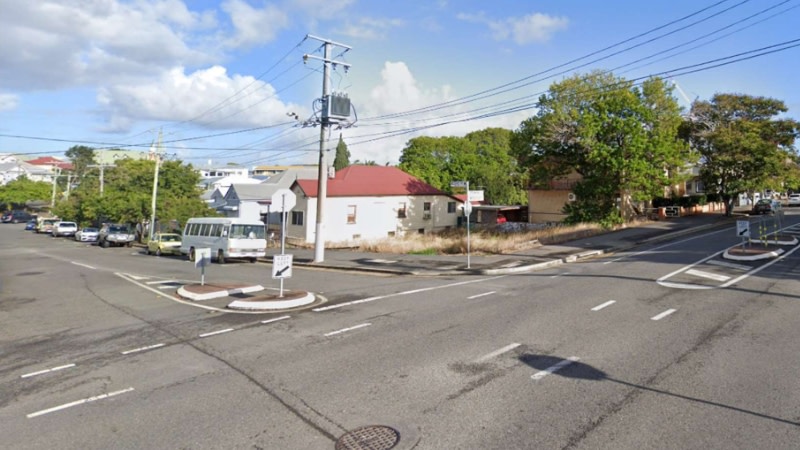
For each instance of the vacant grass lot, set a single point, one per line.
(481, 241)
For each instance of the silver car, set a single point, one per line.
(88, 234)
(794, 200)
(63, 228)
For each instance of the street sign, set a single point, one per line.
(467, 208)
(743, 228)
(476, 196)
(283, 200)
(282, 266)
(459, 184)
(202, 257)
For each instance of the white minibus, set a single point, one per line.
(227, 237)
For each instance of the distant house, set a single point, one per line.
(254, 201)
(49, 161)
(270, 170)
(224, 171)
(368, 202)
(10, 171)
(546, 203)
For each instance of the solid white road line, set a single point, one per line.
(729, 265)
(141, 349)
(343, 330)
(397, 294)
(77, 402)
(498, 352)
(33, 374)
(83, 265)
(555, 368)
(215, 332)
(608, 303)
(275, 319)
(709, 275)
(760, 268)
(161, 282)
(663, 314)
(481, 295)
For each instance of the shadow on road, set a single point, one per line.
(579, 370)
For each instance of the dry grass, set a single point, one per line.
(481, 241)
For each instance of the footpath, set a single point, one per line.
(246, 297)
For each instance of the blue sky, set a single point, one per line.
(220, 78)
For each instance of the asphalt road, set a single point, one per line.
(667, 346)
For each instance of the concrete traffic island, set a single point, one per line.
(753, 252)
(271, 302)
(208, 291)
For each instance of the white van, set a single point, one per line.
(227, 237)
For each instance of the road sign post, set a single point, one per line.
(743, 230)
(281, 268)
(467, 212)
(202, 258)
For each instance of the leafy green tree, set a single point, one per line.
(15, 194)
(482, 157)
(621, 139)
(81, 157)
(744, 144)
(128, 194)
(342, 158)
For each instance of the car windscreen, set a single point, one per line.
(170, 238)
(114, 229)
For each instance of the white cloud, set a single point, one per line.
(399, 91)
(369, 28)
(321, 9)
(176, 96)
(535, 27)
(52, 44)
(8, 102)
(254, 26)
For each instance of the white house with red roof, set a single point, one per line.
(371, 202)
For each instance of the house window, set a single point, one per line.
(401, 211)
(451, 207)
(688, 186)
(699, 186)
(297, 217)
(351, 213)
(426, 210)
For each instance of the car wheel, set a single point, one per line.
(128, 244)
(158, 252)
(104, 244)
(191, 254)
(147, 250)
(253, 260)
(220, 257)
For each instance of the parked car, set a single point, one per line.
(87, 234)
(62, 228)
(16, 217)
(30, 225)
(115, 235)
(765, 206)
(45, 225)
(794, 200)
(164, 244)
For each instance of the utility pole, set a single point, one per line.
(325, 120)
(55, 183)
(157, 154)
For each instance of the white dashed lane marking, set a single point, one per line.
(344, 330)
(498, 352)
(554, 368)
(54, 369)
(77, 402)
(608, 303)
(663, 314)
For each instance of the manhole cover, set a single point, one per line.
(373, 437)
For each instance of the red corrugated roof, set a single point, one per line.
(364, 181)
(50, 161)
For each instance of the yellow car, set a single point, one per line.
(164, 244)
